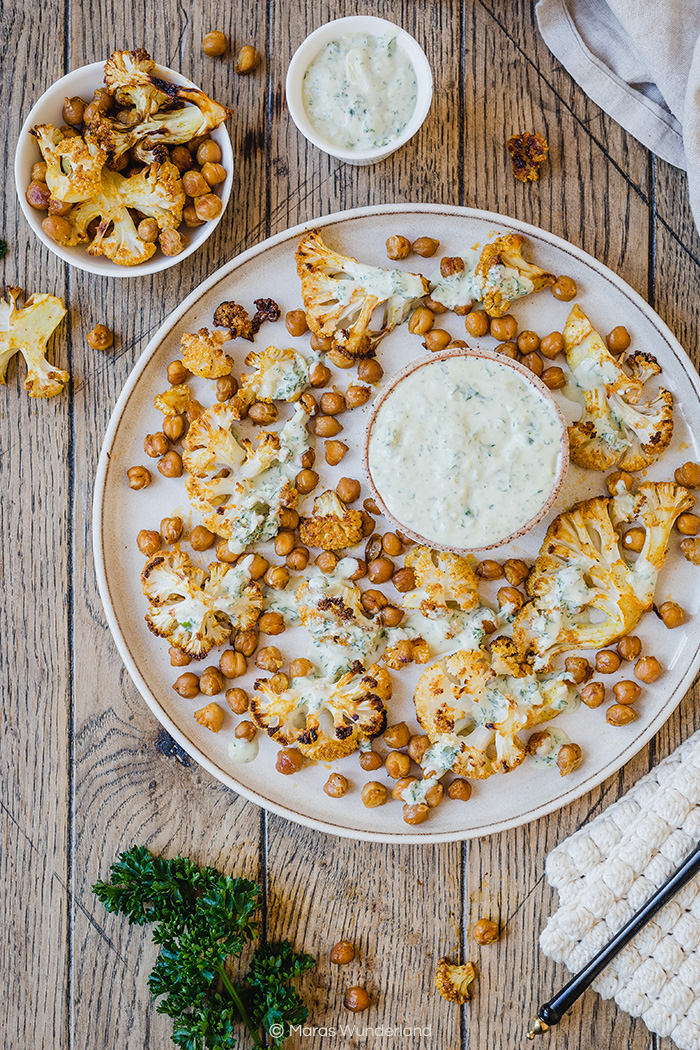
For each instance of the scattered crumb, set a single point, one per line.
(527, 152)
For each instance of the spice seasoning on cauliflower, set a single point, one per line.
(452, 981)
(202, 354)
(174, 401)
(332, 526)
(28, 330)
(581, 568)
(617, 427)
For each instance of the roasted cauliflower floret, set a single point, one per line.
(234, 317)
(196, 609)
(73, 166)
(452, 981)
(472, 715)
(341, 296)
(174, 401)
(28, 330)
(280, 375)
(325, 720)
(443, 581)
(211, 443)
(581, 569)
(506, 276)
(616, 427)
(330, 609)
(332, 525)
(527, 152)
(202, 354)
(128, 74)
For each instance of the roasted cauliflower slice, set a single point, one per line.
(325, 720)
(332, 525)
(211, 444)
(28, 330)
(504, 275)
(280, 375)
(201, 352)
(330, 609)
(129, 75)
(581, 571)
(196, 609)
(443, 581)
(73, 166)
(616, 427)
(341, 296)
(472, 715)
(452, 980)
(174, 401)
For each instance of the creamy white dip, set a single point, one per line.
(464, 451)
(360, 91)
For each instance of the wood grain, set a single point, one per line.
(87, 770)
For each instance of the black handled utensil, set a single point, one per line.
(551, 1013)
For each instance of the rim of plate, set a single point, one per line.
(334, 218)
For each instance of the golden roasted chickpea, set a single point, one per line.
(369, 370)
(335, 787)
(489, 570)
(450, 265)
(647, 669)
(213, 173)
(214, 43)
(564, 289)
(421, 321)
(207, 207)
(485, 931)
(139, 478)
(277, 577)
(620, 715)
(629, 647)
(436, 339)
(516, 571)
(688, 524)
(508, 349)
(289, 761)
(416, 813)
(404, 580)
(178, 658)
(326, 426)
(607, 661)
(356, 999)
(460, 789)
(320, 342)
(326, 561)
(170, 466)
(226, 388)
(223, 553)
(436, 307)
(155, 445)
(425, 247)
(171, 242)
(593, 694)
(510, 596)
(39, 171)
(380, 570)
(348, 490)
(434, 795)
(528, 342)
(171, 529)
(627, 692)
(370, 760)
(477, 323)
(38, 195)
(672, 614)
(269, 658)
(211, 681)
(295, 322)
(174, 427)
(261, 413)
(148, 542)
(232, 664)
(211, 717)
(552, 345)
(343, 952)
(357, 395)
(300, 667)
(374, 794)
(397, 764)
(417, 746)
(397, 735)
(319, 374)
(618, 340)
(568, 759)
(284, 543)
(271, 623)
(332, 403)
(401, 785)
(57, 207)
(688, 475)
(619, 482)
(297, 559)
(398, 247)
(373, 601)
(177, 373)
(633, 539)
(534, 363)
(190, 217)
(187, 685)
(148, 230)
(259, 565)
(503, 328)
(553, 378)
(374, 547)
(237, 700)
(578, 669)
(181, 158)
(201, 539)
(99, 337)
(246, 642)
(208, 152)
(306, 481)
(392, 545)
(58, 229)
(247, 61)
(367, 523)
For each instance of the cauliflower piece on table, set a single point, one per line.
(472, 714)
(332, 525)
(174, 401)
(452, 980)
(280, 375)
(28, 330)
(324, 719)
(581, 569)
(341, 295)
(201, 352)
(73, 166)
(616, 427)
(443, 581)
(196, 609)
(527, 152)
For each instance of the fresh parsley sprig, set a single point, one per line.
(202, 919)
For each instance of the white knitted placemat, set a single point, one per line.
(608, 869)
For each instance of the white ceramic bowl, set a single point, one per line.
(308, 50)
(504, 362)
(83, 82)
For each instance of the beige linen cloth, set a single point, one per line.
(639, 60)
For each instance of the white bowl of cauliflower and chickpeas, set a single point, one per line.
(123, 167)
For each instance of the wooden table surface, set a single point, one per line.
(86, 769)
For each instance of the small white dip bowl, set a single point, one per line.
(83, 82)
(310, 48)
(426, 489)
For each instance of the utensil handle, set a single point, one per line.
(552, 1012)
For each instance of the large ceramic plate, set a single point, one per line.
(268, 270)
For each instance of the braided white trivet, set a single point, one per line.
(605, 871)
